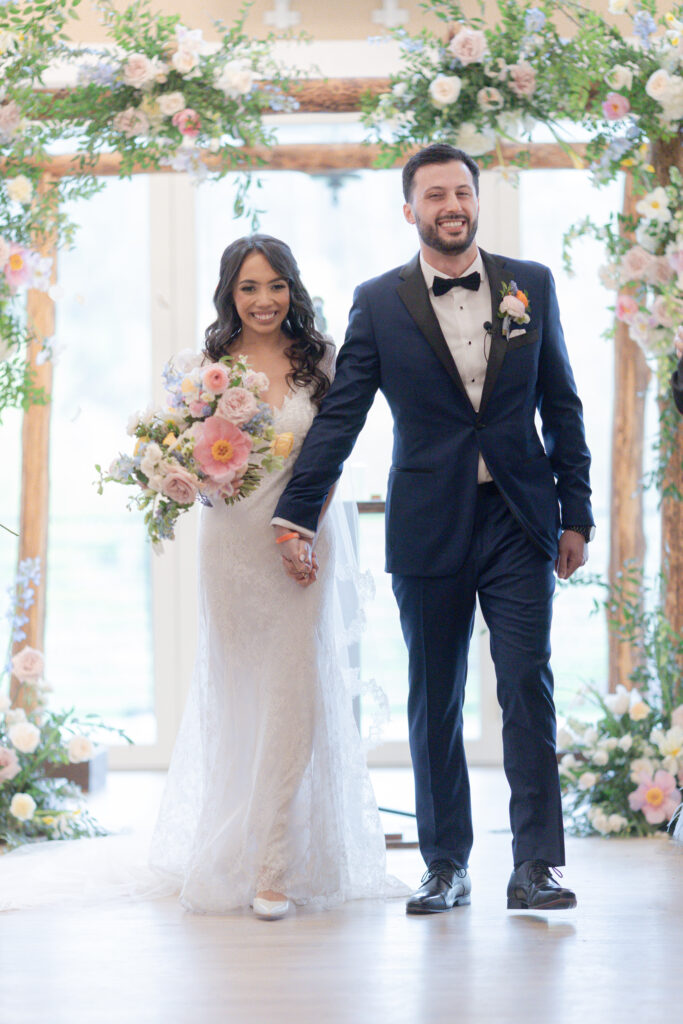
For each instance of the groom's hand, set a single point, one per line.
(298, 559)
(573, 553)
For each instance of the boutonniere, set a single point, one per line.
(514, 306)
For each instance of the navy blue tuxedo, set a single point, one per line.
(449, 539)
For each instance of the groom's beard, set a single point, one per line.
(429, 234)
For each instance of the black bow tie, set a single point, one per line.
(444, 284)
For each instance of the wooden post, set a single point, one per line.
(627, 537)
(664, 156)
(36, 449)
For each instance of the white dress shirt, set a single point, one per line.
(462, 314)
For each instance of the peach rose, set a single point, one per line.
(9, 764)
(138, 70)
(445, 90)
(187, 122)
(237, 405)
(131, 122)
(522, 79)
(469, 46)
(635, 264)
(28, 665)
(171, 103)
(80, 749)
(184, 60)
(23, 806)
(216, 378)
(25, 737)
(180, 486)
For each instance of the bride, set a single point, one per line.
(268, 801)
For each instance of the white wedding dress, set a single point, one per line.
(268, 787)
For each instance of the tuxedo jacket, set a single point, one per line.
(394, 343)
(677, 386)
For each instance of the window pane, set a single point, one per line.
(99, 638)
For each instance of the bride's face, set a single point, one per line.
(261, 297)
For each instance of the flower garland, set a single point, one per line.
(159, 95)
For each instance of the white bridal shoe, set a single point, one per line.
(270, 910)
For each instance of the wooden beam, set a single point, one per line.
(35, 487)
(311, 158)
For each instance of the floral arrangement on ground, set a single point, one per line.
(621, 769)
(35, 740)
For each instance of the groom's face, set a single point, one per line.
(444, 207)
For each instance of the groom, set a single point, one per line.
(476, 505)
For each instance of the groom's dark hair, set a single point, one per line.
(437, 153)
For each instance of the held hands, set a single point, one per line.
(298, 558)
(573, 554)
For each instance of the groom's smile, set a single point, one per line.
(444, 207)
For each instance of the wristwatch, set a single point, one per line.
(587, 532)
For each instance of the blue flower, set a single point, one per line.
(534, 20)
(643, 26)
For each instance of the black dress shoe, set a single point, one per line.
(532, 887)
(443, 887)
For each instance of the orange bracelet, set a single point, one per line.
(287, 536)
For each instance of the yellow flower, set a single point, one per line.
(48, 820)
(169, 440)
(282, 444)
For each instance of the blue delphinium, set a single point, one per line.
(534, 20)
(643, 26)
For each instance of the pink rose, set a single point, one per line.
(256, 381)
(9, 764)
(626, 309)
(131, 122)
(615, 106)
(187, 122)
(469, 46)
(237, 405)
(28, 665)
(180, 486)
(660, 271)
(522, 79)
(635, 264)
(10, 119)
(513, 307)
(216, 378)
(221, 448)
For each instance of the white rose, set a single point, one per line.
(184, 60)
(80, 749)
(657, 84)
(171, 102)
(567, 763)
(445, 90)
(619, 77)
(609, 744)
(672, 101)
(473, 141)
(641, 766)
(235, 80)
(25, 737)
(625, 743)
(23, 806)
(564, 739)
(15, 715)
(19, 189)
(399, 89)
(513, 307)
(600, 822)
(616, 822)
(600, 757)
(591, 736)
(469, 46)
(138, 70)
(587, 780)
(619, 702)
(618, 6)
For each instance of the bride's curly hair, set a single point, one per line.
(308, 346)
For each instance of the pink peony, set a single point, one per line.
(469, 46)
(9, 764)
(221, 448)
(180, 486)
(522, 79)
(187, 122)
(626, 309)
(216, 378)
(18, 267)
(615, 106)
(28, 665)
(237, 405)
(657, 798)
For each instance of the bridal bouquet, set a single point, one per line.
(212, 440)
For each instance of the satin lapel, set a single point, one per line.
(494, 272)
(413, 293)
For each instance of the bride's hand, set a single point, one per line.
(301, 576)
(298, 560)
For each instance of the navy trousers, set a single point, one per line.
(515, 583)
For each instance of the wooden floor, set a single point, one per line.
(617, 958)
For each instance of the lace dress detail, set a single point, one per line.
(268, 787)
